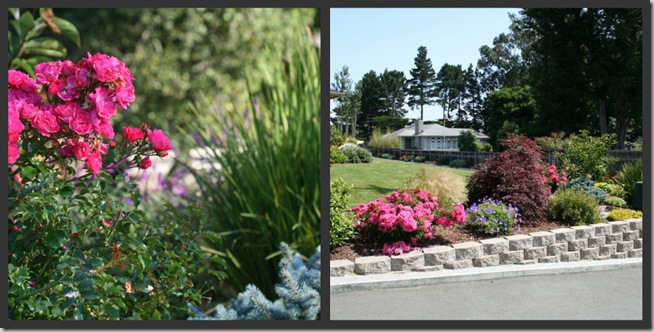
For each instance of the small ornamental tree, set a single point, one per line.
(468, 141)
(513, 177)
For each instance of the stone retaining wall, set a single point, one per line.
(611, 240)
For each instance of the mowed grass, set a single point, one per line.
(381, 177)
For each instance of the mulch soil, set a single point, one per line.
(359, 247)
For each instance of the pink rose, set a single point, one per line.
(80, 122)
(103, 101)
(94, 162)
(47, 72)
(81, 150)
(26, 109)
(65, 112)
(13, 152)
(124, 96)
(102, 126)
(46, 123)
(22, 81)
(31, 97)
(133, 134)
(160, 142)
(15, 126)
(106, 67)
(145, 163)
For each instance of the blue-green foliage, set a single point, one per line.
(588, 186)
(298, 291)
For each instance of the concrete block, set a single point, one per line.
(608, 249)
(570, 256)
(596, 242)
(602, 229)
(528, 262)
(468, 250)
(640, 233)
(549, 259)
(535, 253)
(512, 257)
(543, 239)
(638, 243)
(602, 258)
(494, 246)
(428, 268)
(614, 238)
(583, 232)
(563, 235)
(372, 265)
(491, 260)
(519, 242)
(619, 226)
(636, 224)
(577, 245)
(464, 264)
(439, 255)
(630, 236)
(619, 255)
(635, 253)
(590, 253)
(407, 261)
(625, 246)
(340, 267)
(557, 249)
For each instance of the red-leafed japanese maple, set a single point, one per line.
(513, 176)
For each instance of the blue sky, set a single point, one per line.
(367, 39)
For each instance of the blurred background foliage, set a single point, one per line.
(178, 54)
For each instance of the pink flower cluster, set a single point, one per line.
(406, 216)
(81, 98)
(396, 248)
(552, 178)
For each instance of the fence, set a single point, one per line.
(474, 158)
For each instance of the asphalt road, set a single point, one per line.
(601, 295)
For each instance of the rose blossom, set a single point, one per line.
(160, 142)
(94, 162)
(13, 152)
(47, 72)
(103, 102)
(80, 122)
(22, 81)
(145, 163)
(81, 149)
(133, 134)
(46, 123)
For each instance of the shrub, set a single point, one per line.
(355, 154)
(298, 294)
(442, 160)
(574, 206)
(467, 141)
(336, 155)
(341, 227)
(402, 219)
(492, 218)
(624, 214)
(610, 189)
(407, 157)
(458, 163)
(351, 140)
(420, 159)
(587, 156)
(588, 186)
(387, 140)
(448, 187)
(627, 178)
(514, 177)
(335, 136)
(553, 179)
(487, 147)
(388, 156)
(616, 201)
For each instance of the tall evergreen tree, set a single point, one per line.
(449, 89)
(395, 84)
(422, 82)
(342, 83)
(372, 103)
(472, 96)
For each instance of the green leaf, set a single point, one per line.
(68, 29)
(90, 295)
(119, 302)
(55, 239)
(156, 315)
(45, 46)
(78, 314)
(112, 312)
(88, 283)
(22, 64)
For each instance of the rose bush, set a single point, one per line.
(79, 247)
(403, 218)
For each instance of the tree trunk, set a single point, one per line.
(602, 116)
(621, 125)
(354, 126)
(421, 114)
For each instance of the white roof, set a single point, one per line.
(434, 130)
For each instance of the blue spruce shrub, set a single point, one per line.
(299, 294)
(587, 185)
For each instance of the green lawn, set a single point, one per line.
(381, 177)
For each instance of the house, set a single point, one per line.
(432, 137)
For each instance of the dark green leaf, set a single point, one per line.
(90, 295)
(55, 238)
(88, 283)
(45, 46)
(119, 302)
(68, 29)
(156, 315)
(78, 314)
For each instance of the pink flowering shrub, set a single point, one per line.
(553, 178)
(403, 218)
(74, 119)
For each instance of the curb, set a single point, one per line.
(416, 279)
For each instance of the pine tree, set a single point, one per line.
(421, 85)
(298, 291)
